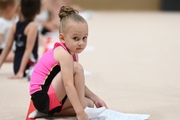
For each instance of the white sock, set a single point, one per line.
(36, 114)
(94, 112)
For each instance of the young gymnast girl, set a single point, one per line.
(57, 84)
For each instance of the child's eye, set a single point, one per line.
(84, 38)
(76, 38)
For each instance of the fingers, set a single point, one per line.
(105, 106)
(15, 77)
(98, 104)
(101, 104)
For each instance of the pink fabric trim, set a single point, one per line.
(53, 100)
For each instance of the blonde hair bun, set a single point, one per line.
(65, 11)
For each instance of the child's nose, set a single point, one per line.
(81, 42)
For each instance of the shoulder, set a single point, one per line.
(60, 51)
(33, 25)
(3, 22)
(1, 19)
(60, 54)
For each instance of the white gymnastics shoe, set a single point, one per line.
(94, 112)
(37, 114)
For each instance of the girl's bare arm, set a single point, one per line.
(66, 62)
(8, 46)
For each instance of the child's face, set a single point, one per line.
(75, 37)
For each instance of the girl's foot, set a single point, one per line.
(37, 114)
(94, 112)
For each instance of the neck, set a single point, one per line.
(22, 18)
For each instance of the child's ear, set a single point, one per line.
(61, 38)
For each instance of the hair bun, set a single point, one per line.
(65, 11)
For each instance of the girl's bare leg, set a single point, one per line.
(79, 84)
(68, 109)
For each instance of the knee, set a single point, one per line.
(89, 103)
(78, 67)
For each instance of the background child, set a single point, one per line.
(57, 83)
(25, 33)
(47, 20)
(8, 16)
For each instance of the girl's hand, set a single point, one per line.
(17, 76)
(99, 103)
(83, 116)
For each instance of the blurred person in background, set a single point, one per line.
(8, 16)
(46, 19)
(25, 35)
